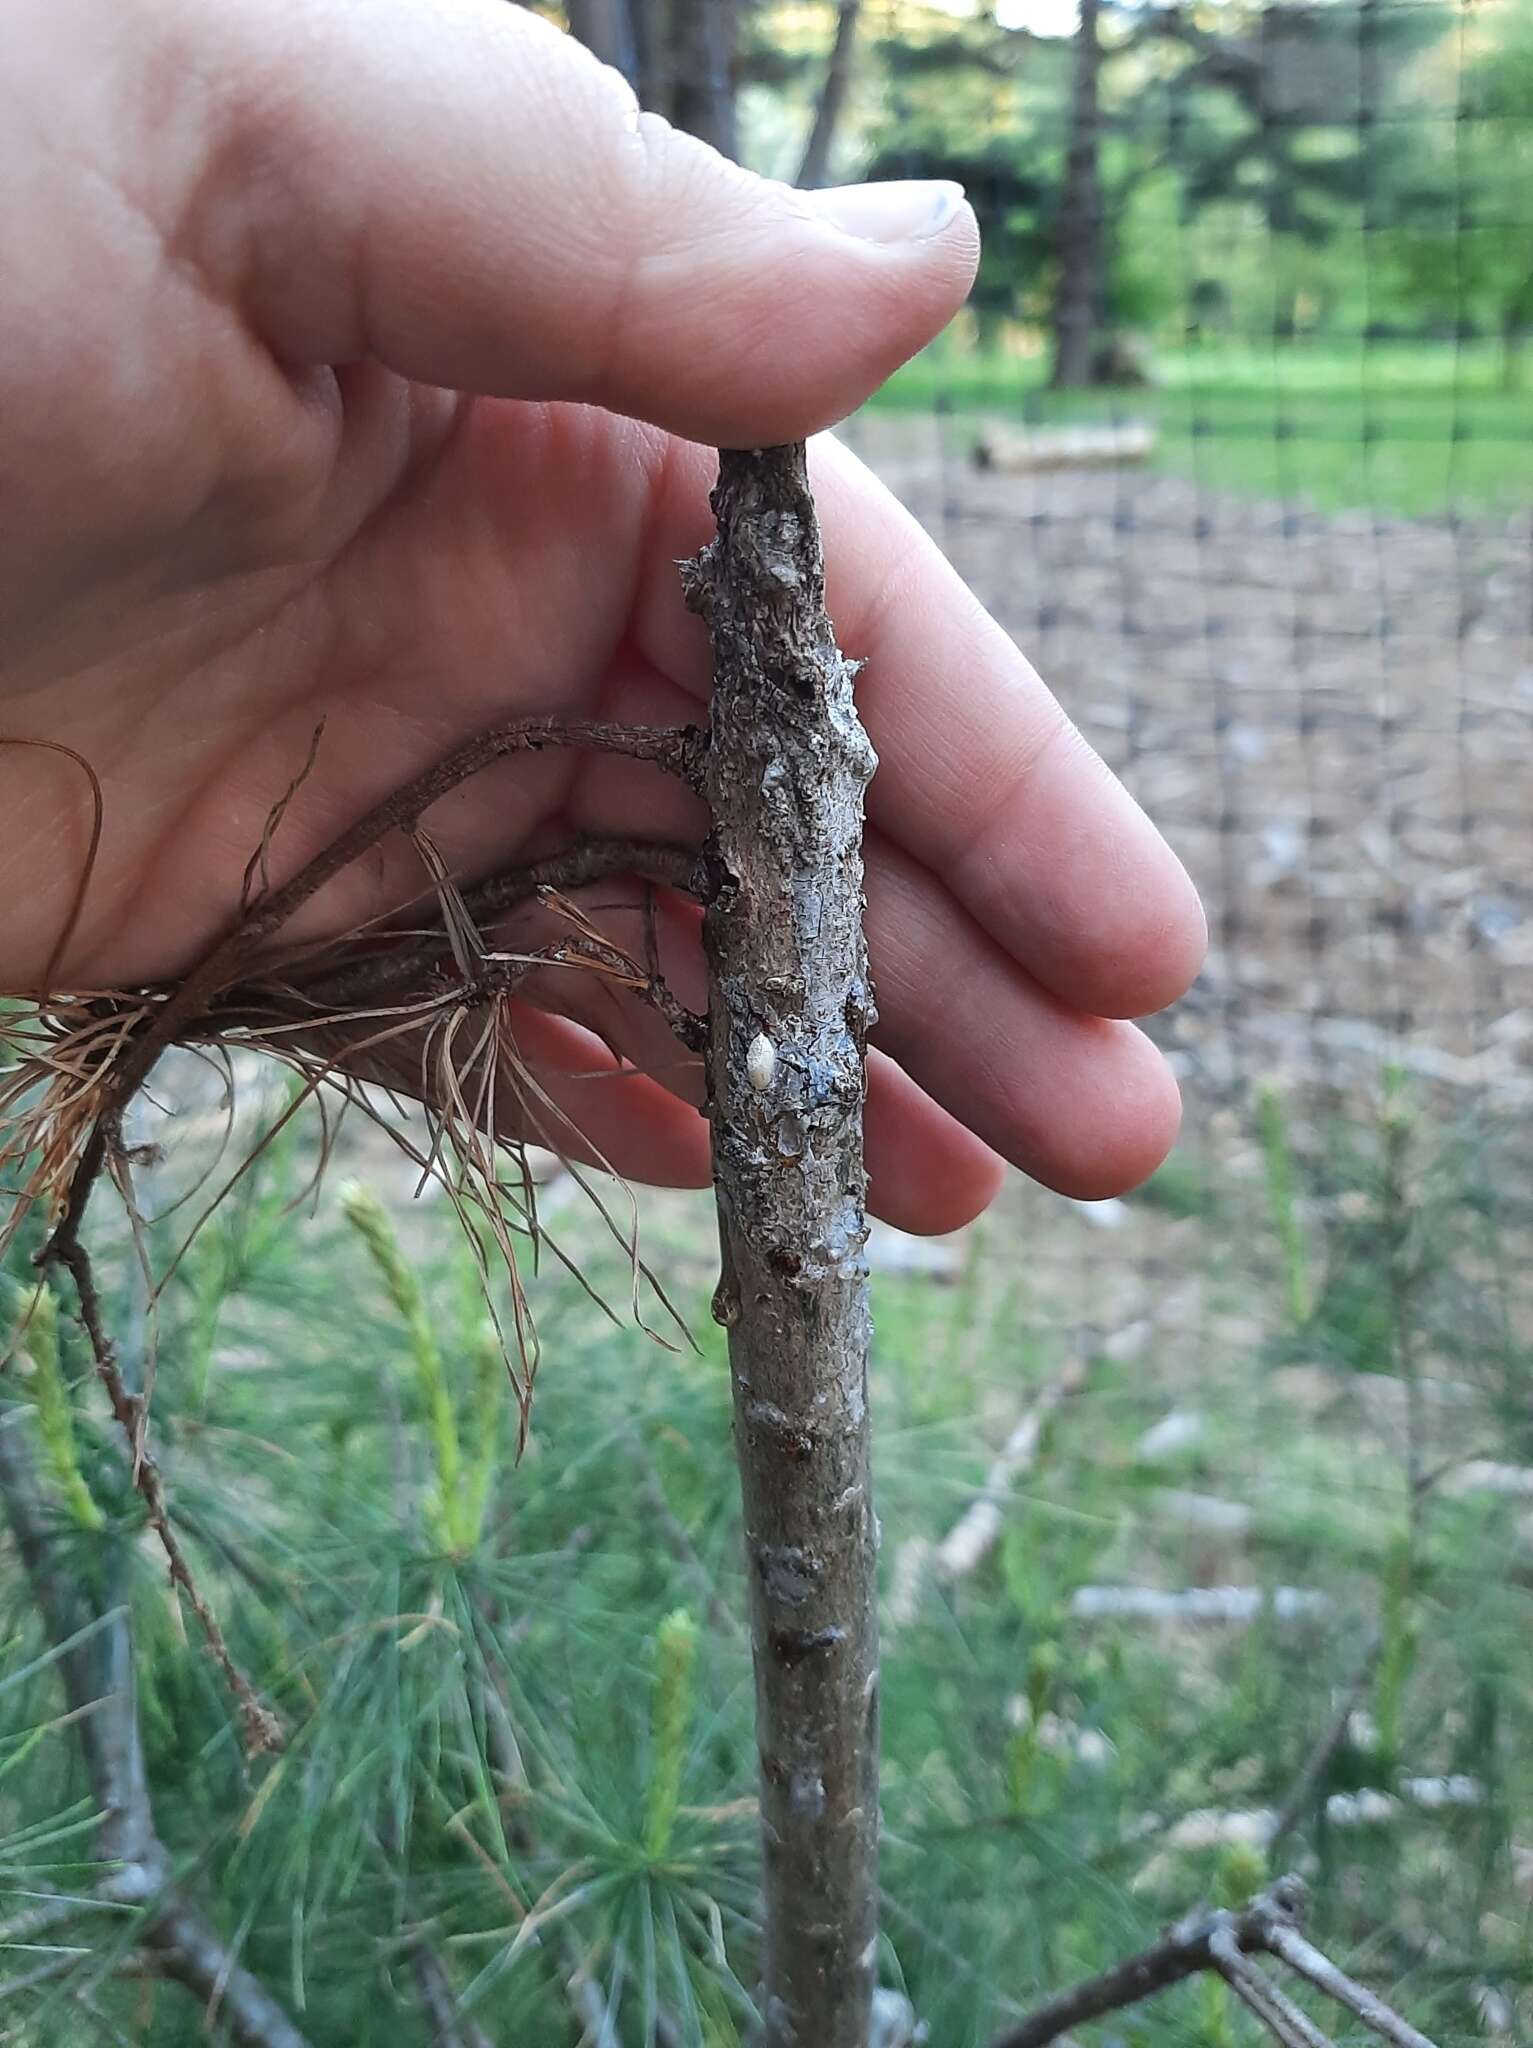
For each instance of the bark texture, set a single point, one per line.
(790, 1009)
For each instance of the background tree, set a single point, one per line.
(682, 56)
(829, 106)
(1290, 110)
(982, 103)
(610, 28)
(1080, 295)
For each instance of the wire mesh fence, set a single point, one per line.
(1265, 533)
(1271, 548)
(1212, 1495)
(1268, 538)
(1207, 1511)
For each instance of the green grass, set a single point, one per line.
(1405, 428)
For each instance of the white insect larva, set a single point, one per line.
(761, 1062)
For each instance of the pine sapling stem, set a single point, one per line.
(790, 1008)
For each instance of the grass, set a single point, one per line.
(1401, 428)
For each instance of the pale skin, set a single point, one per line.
(363, 360)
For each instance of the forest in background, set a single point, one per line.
(1250, 225)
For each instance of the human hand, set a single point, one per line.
(357, 356)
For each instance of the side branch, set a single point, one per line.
(1184, 1952)
(681, 750)
(399, 964)
(1224, 1942)
(678, 749)
(1287, 1943)
(262, 1730)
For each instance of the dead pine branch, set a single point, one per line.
(790, 1008)
(260, 1726)
(95, 1644)
(139, 1031)
(920, 1562)
(1225, 1943)
(1287, 2024)
(1315, 1766)
(63, 1104)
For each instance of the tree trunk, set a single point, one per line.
(701, 62)
(790, 1008)
(827, 115)
(1079, 306)
(681, 57)
(606, 27)
(649, 40)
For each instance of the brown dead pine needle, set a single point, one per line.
(84, 1057)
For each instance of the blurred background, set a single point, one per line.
(1207, 1513)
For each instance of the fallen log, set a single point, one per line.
(1018, 451)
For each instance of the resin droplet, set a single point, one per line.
(761, 1062)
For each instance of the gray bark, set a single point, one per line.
(97, 1670)
(790, 1008)
(701, 57)
(827, 113)
(1078, 309)
(606, 27)
(681, 57)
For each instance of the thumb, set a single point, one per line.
(463, 193)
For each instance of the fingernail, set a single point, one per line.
(903, 210)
